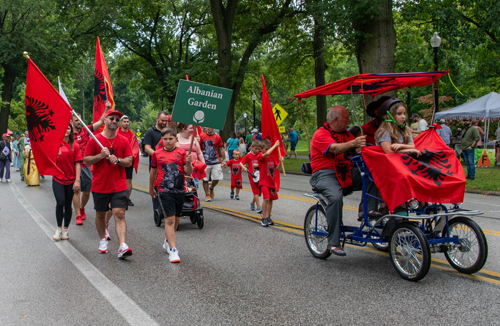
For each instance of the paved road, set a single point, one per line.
(233, 272)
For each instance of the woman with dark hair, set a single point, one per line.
(68, 161)
(232, 144)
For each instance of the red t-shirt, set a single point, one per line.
(250, 159)
(369, 129)
(66, 162)
(170, 165)
(267, 170)
(235, 168)
(82, 139)
(210, 146)
(106, 177)
(320, 157)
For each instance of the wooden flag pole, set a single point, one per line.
(282, 164)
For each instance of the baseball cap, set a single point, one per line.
(441, 121)
(124, 117)
(415, 115)
(5, 135)
(255, 130)
(110, 112)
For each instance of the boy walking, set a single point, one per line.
(252, 161)
(236, 178)
(166, 181)
(267, 184)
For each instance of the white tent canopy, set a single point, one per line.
(487, 106)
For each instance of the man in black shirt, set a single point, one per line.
(151, 139)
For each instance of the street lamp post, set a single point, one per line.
(254, 97)
(435, 43)
(245, 115)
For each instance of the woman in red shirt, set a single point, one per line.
(68, 160)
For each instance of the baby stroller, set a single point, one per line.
(191, 207)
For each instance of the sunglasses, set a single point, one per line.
(113, 119)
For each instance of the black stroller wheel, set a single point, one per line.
(158, 217)
(200, 222)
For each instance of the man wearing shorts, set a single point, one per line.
(82, 136)
(294, 139)
(212, 146)
(109, 186)
(134, 144)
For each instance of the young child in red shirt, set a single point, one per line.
(267, 169)
(236, 178)
(252, 161)
(166, 180)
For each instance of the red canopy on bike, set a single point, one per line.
(375, 84)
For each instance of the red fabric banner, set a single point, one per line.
(270, 130)
(48, 116)
(436, 176)
(102, 87)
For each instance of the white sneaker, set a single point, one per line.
(124, 251)
(103, 246)
(166, 246)
(2, 180)
(8, 180)
(65, 235)
(57, 235)
(174, 256)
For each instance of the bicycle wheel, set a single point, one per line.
(470, 254)
(410, 252)
(317, 243)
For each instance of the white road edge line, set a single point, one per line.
(129, 310)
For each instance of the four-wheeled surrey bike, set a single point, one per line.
(411, 239)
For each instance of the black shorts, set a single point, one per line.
(172, 203)
(129, 171)
(103, 201)
(85, 179)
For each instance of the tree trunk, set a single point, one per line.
(375, 52)
(319, 71)
(8, 82)
(223, 22)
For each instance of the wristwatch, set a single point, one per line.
(119, 160)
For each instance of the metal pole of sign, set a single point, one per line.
(354, 111)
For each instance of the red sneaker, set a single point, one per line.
(79, 220)
(82, 213)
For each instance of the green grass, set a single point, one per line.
(487, 179)
(293, 165)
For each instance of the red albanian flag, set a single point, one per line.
(435, 176)
(102, 86)
(198, 169)
(270, 130)
(47, 116)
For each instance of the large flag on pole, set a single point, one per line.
(435, 176)
(269, 128)
(102, 86)
(48, 116)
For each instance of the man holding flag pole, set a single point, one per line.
(109, 186)
(82, 137)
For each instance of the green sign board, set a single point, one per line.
(201, 104)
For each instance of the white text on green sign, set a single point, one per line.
(201, 104)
